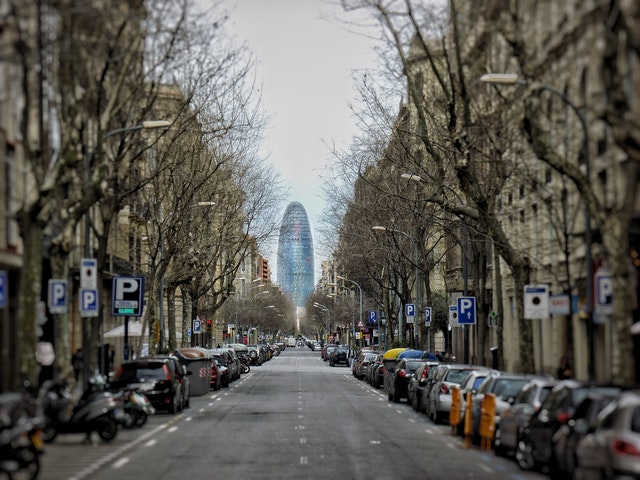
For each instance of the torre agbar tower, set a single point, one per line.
(295, 255)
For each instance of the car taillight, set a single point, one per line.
(564, 417)
(167, 373)
(402, 373)
(425, 374)
(119, 372)
(622, 447)
(444, 389)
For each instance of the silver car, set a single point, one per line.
(438, 405)
(612, 449)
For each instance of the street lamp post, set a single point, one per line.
(512, 79)
(353, 329)
(86, 358)
(418, 298)
(325, 309)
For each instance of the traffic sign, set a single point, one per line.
(197, 325)
(89, 274)
(604, 293)
(57, 298)
(410, 309)
(427, 316)
(536, 302)
(88, 303)
(4, 289)
(127, 296)
(467, 310)
(453, 316)
(373, 316)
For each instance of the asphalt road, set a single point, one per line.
(294, 417)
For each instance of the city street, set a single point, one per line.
(295, 417)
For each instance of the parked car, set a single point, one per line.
(470, 384)
(505, 387)
(326, 352)
(428, 386)
(611, 449)
(229, 360)
(361, 363)
(438, 401)
(562, 463)
(513, 419)
(417, 383)
(389, 361)
(372, 371)
(534, 449)
(162, 379)
(339, 356)
(403, 373)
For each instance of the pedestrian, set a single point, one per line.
(564, 369)
(76, 363)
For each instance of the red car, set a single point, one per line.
(215, 375)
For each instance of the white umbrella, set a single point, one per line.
(135, 330)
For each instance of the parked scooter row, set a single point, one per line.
(20, 436)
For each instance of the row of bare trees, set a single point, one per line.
(182, 204)
(480, 153)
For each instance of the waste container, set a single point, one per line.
(198, 361)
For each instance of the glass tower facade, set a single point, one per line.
(295, 255)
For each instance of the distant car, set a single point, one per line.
(361, 363)
(470, 384)
(162, 379)
(339, 356)
(612, 448)
(326, 352)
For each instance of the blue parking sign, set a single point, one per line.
(410, 310)
(88, 303)
(373, 316)
(427, 316)
(4, 289)
(57, 298)
(466, 310)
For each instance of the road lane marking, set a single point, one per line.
(303, 441)
(304, 461)
(172, 429)
(120, 463)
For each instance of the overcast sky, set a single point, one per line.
(305, 64)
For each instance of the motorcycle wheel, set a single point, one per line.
(49, 434)
(108, 430)
(30, 463)
(141, 419)
(245, 368)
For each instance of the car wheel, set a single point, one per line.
(524, 455)
(498, 448)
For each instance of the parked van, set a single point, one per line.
(291, 342)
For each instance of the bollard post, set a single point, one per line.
(454, 413)
(467, 420)
(487, 420)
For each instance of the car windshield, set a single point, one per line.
(413, 366)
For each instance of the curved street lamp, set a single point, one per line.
(360, 289)
(513, 79)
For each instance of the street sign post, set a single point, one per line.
(467, 310)
(536, 302)
(197, 325)
(373, 317)
(127, 298)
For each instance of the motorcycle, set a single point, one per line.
(95, 411)
(20, 436)
(244, 363)
(137, 408)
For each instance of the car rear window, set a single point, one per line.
(135, 372)
(456, 375)
(509, 388)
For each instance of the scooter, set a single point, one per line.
(20, 437)
(137, 408)
(95, 411)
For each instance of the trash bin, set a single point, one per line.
(198, 362)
